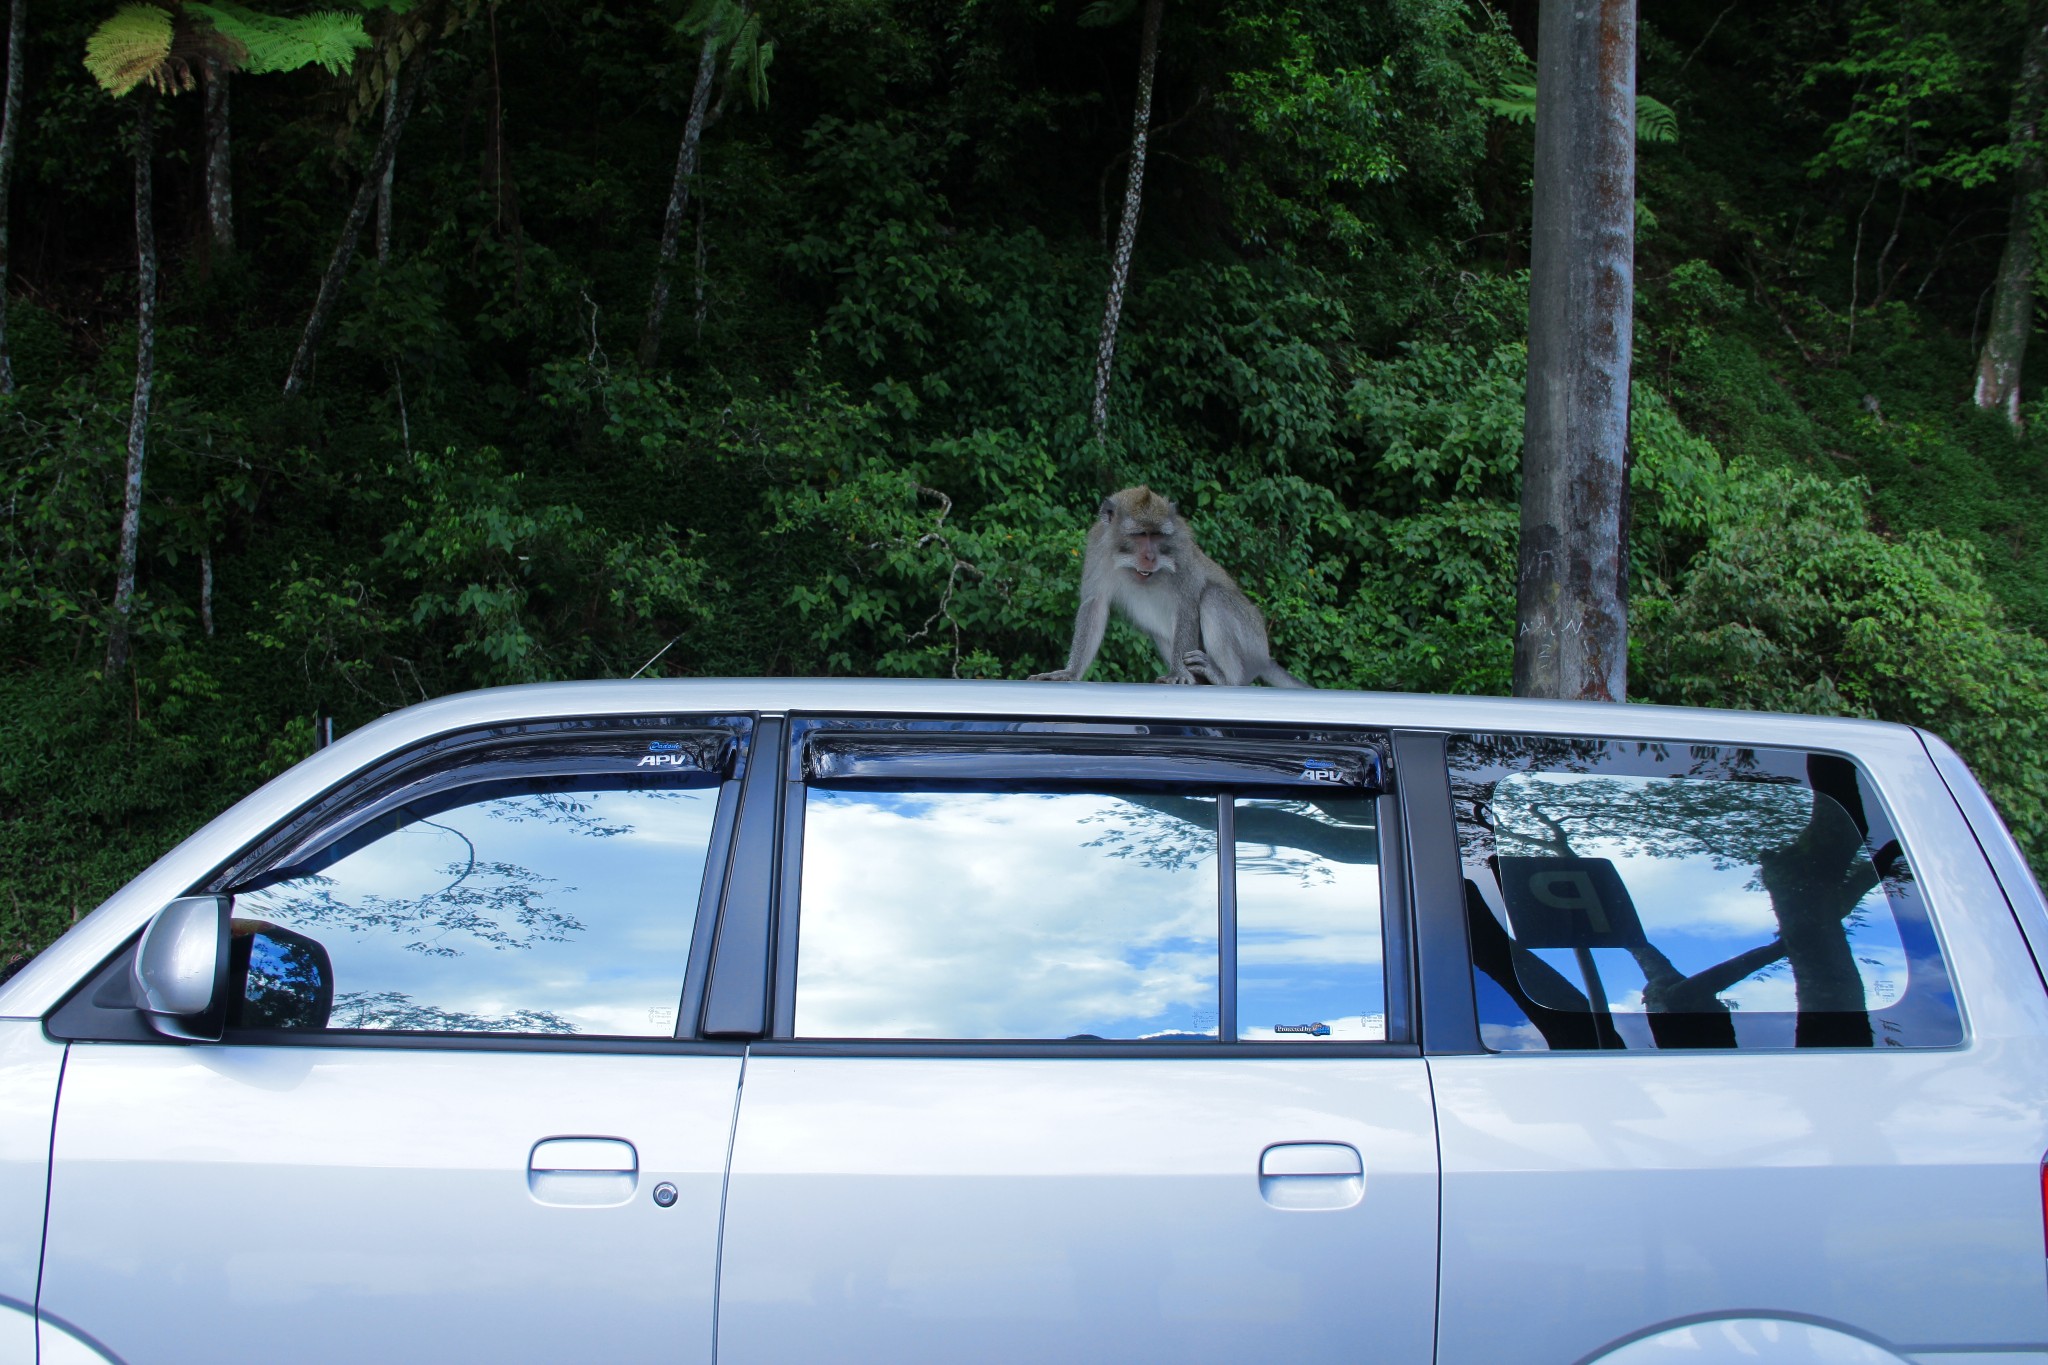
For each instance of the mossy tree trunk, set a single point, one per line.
(1571, 607)
(2012, 306)
(145, 379)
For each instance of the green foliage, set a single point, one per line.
(328, 39)
(132, 46)
(735, 33)
(870, 453)
(1656, 121)
(149, 43)
(1795, 604)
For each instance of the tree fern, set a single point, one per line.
(131, 46)
(328, 39)
(735, 31)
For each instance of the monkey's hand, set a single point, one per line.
(1202, 667)
(1180, 676)
(1057, 675)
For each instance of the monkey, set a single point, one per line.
(1143, 561)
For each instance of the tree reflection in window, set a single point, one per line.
(551, 906)
(397, 1010)
(1791, 831)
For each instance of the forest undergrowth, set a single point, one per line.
(863, 445)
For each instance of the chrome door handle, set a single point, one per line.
(1311, 1175)
(582, 1172)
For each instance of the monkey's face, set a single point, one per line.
(1146, 551)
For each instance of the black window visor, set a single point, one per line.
(1038, 758)
(614, 759)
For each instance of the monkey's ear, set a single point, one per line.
(1108, 509)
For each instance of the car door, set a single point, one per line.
(1085, 1045)
(457, 1113)
(1723, 1093)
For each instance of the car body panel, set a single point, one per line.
(426, 1200)
(30, 1067)
(229, 1202)
(1023, 1209)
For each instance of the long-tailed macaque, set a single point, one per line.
(1143, 561)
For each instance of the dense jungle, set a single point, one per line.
(859, 440)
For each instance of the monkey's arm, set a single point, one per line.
(1089, 624)
(1187, 641)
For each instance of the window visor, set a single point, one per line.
(842, 758)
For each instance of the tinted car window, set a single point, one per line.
(1642, 896)
(561, 907)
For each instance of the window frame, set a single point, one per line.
(1192, 758)
(101, 1008)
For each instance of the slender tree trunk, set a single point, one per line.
(1127, 228)
(220, 183)
(678, 202)
(336, 277)
(2012, 308)
(384, 185)
(10, 134)
(1571, 609)
(145, 377)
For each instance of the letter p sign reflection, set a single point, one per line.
(1571, 892)
(1568, 903)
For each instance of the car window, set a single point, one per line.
(1309, 956)
(950, 913)
(562, 906)
(1655, 896)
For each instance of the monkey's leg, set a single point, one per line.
(1186, 645)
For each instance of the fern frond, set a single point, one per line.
(1655, 121)
(328, 39)
(132, 45)
(1516, 102)
(1103, 13)
(717, 18)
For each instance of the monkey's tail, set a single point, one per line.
(1273, 675)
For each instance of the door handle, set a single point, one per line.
(1311, 1175)
(582, 1172)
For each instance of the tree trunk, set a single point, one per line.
(332, 282)
(384, 183)
(2012, 308)
(10, 134)
(220, 184)
(1127, 228)
(678, 201)
(1571, 609)
(145, 376)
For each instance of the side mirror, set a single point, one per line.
(181, 968)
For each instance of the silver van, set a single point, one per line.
(783, 1021)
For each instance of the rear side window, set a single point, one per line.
(1176, 914)
(558, 906)
(1632, 895)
